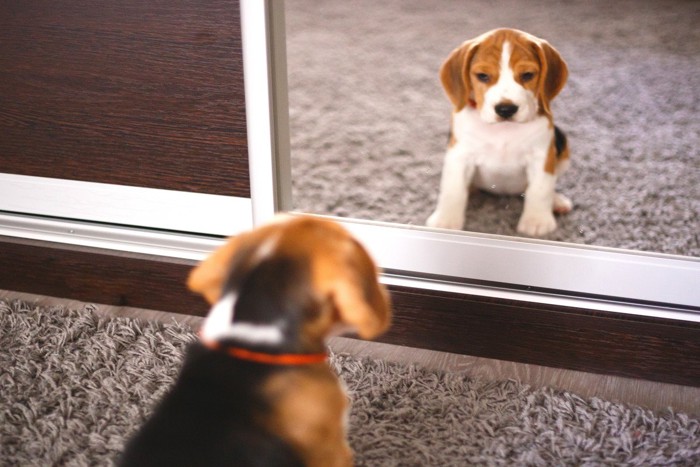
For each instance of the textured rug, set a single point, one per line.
(73, 386)
(369, 120)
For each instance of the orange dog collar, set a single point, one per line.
(267, 358)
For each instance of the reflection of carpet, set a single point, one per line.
(74, 386)
(369, 121)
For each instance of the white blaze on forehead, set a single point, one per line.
(505, 61)
(508, 90)
(267, 247)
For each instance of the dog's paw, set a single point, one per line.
(537, 224)
(441, 221)
(562, 204)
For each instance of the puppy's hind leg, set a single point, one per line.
(562, 204)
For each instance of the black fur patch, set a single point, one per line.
(211, 417)
(275, 290)
(559, 140)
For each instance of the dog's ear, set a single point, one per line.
(454, 74)
(208, 277)
(554, 74)
(353, 287)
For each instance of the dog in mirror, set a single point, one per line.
(502, 138)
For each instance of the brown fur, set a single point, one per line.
(308, 413)
(554, 158)
(550, 164)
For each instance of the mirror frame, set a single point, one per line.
(533, 270)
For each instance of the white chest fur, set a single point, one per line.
(500, 153)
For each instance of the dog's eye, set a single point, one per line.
(483, 77)
(527, 76)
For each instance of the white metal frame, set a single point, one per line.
(125, 205)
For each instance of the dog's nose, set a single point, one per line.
(506, 110)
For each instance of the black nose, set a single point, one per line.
(506, 110)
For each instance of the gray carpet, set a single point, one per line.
(369, 120)
(73, 386)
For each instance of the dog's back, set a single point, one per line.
(211, 418)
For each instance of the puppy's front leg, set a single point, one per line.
(537, 218)
(457, 174)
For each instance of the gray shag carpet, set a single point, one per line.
(73, 386)
(369, 120)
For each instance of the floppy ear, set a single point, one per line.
(360, 301)
(367, 314)
(554, 74)
(208, 277)
(454, 74)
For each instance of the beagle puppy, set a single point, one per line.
(503, 139)
(256, 389)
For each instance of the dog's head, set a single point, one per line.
(298, 278)
(506, 74)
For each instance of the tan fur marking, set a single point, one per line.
(553, 74)
(208, 277)
(359, 302)
(453, 72)
(553, 159)
(308, 412)
(486, 60)
(524, 59)
(343, 274)
(550, 164)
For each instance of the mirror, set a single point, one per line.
(369, 121)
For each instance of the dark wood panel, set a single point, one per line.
(548, 335)
(578, 339)
(99, 276)
(132, 92)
